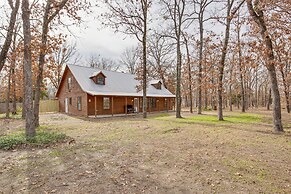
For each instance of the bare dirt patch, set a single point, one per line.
(160, 154)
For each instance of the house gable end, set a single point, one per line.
(65, 76)
(61, 82)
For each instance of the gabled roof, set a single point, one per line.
(155, 82)
(117, 84)
(97, 73)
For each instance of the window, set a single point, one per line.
(140, 103)
(159, 86)
(166, 103)
(106, 103)
(70, 101)
(79, 103)
(100, 80)
(153, 102)
(69, 84)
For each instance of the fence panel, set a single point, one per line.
(45, 106)
(49, 106)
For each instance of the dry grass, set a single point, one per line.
(160, 154)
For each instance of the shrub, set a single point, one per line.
(42, 138)
(11, 141)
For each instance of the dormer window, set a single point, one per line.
(98, 78)
(157, 85)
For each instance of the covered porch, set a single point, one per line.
(125, 105)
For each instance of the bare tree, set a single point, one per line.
(8, 93)
(29, 117)
(51, 10)
(240, 67)
(282, 49)
(229, 16)
(160, 59)
(176, 13)
(11, 75)
(129, 58)
(8, 39)
(99, 62)
(52, 13)
(285, 70)
(131, 17)
(200, 7)
(189, 68)
(65, 54)
(13, 68)
(256, 11)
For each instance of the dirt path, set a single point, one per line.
(157, 155)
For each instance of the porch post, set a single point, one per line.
(150, 104)
(112, 105)
(125, 105)
(95, 106)
(174, 105)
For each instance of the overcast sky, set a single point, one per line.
(94, 39)
(91, 39)
(105, 42)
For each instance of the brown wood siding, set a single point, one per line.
(88, 101)
(119, 104)
(74, 93)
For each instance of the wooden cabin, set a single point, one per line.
(86, 91)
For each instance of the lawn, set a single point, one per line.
(161, 154)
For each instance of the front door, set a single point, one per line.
(67, 105)
(135, 104)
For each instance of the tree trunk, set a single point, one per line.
(13, 66)
(277, 121)
(263, 96)
(47, 18)
(144, 69)
(230, 15)
(257, 15)
(256, 88)
(230, 97)
(247, 94)
(269, 99)
(23, 113)
(41, 61)
(242, 90)
(205, 98)
(29, 116)
(199, 79)
(178, 16)
(286, 90)
(8, 39)
(189, 76)
(178, 84)
(8, 94)
(161, 74)
(213, 100)
(14, 108)
(221, 70)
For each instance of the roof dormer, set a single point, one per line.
(98, 78)
(157, 84)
